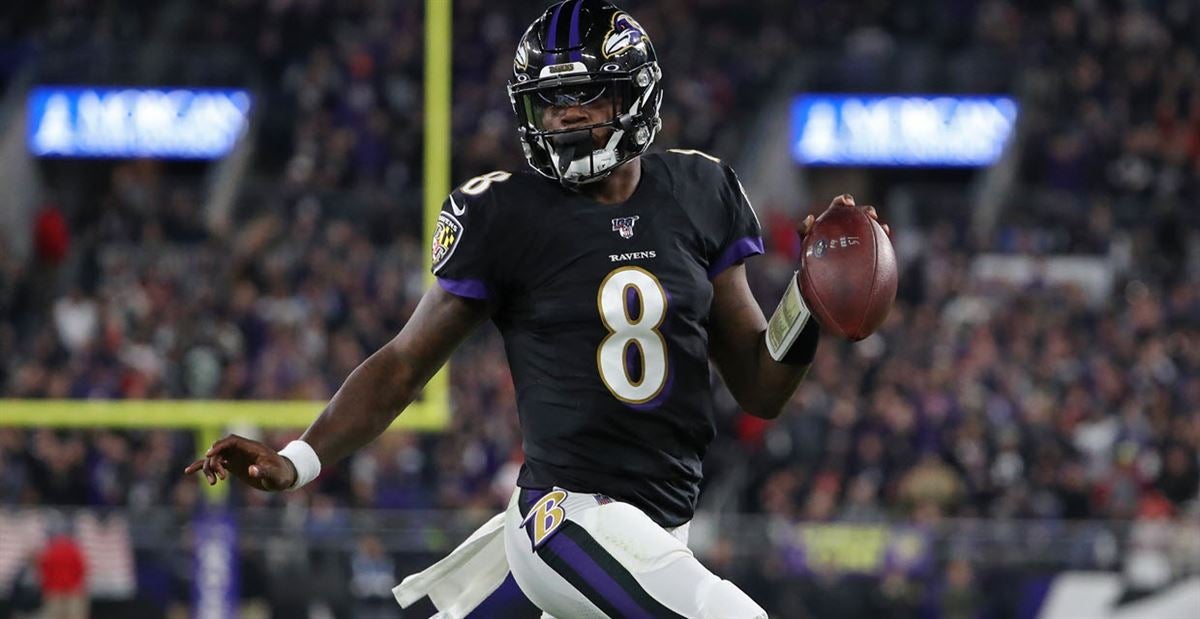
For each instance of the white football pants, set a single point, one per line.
(578, 556)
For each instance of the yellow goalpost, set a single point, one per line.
(210, 419)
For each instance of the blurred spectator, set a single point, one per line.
(372, 576)
(64, 574)
(959, 599)
(51, 240)
(1179, 480)
(76, 318)
(24, 594)
(931, 489)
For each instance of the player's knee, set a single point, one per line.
(722, 599)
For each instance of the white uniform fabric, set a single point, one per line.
(461, 581)
(607, 558)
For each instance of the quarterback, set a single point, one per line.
(614, 277)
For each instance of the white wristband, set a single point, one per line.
(787, 322)
(307, 464)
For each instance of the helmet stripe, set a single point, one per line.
(550, 44)
(574, 40)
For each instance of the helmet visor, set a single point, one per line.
(567, 96)
(539, 106)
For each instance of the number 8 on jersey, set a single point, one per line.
(632, 305)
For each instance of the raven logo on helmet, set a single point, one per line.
(522, 60)
(625, 33)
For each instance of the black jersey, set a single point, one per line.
(604, 311)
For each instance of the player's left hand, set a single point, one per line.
(843, 201)
(250, 461)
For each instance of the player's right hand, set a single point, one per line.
(844, 200)
(255, 464)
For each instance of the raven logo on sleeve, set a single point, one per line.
(446, 235)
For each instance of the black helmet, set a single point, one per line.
(575, 53)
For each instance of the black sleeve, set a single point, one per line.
(461, 255)
(740, 236)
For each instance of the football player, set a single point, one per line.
(614, 277)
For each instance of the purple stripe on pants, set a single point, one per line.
(594, 575)
(506, 601)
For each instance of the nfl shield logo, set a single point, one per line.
(624, 226)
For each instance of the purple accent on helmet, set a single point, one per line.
(600, 580)
(573, 42)
(469, 288)
(550, 43)
(738, 250)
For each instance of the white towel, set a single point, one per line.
(464, 579)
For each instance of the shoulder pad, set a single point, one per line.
(482, 183)
(694, 163)
(471, 191)
(693, 152)
(695, 166)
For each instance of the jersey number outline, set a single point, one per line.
(624, 331)
(480, 183)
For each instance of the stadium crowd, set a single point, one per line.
(976, 399)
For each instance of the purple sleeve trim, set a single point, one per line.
(738, 250)
(469, 288)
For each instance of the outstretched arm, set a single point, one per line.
(372, 396)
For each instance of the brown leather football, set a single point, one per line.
(848, 272)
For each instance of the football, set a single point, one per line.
(848, 272)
